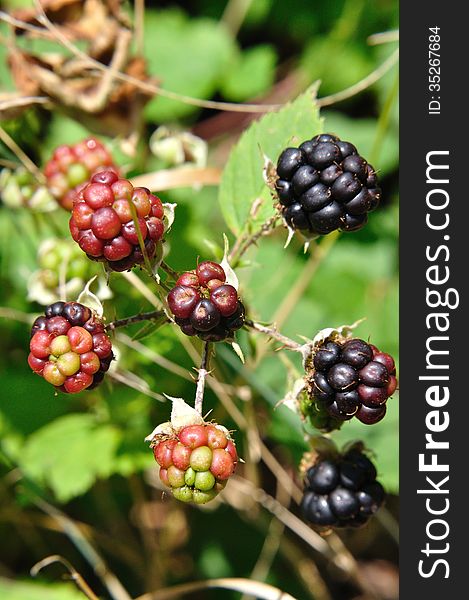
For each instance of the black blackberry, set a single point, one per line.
(324, 185)
(352, 378)
(341, 492)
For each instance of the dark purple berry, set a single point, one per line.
(326, 219)
(351, 475)
(360, 204)
(75, 313)
(370, 416)
(344, 503)
(322, 385)
(236, 320)
(374, 374)
(284, 191)
(347, 402)
(324, 154)
(330, 174)
(342, 377)
(323, 477)
(296, 217)
(205, 315)
(316, 509)
(356, 353)
(289, 161)
(182, 300)
(55, 309)
(39, 325)
(346, 148)
(357, 165)
(345, 187)
(326, 356)
(316, 197)
(304, 178)
(352, 222)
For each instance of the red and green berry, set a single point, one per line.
(69, 347)
(72, 166)
(203, 304)
(102, 221)
(196, 461)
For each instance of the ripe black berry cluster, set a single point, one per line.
(103, 226)
(353, 378)
(69, 347)
(324, 185)
(341, 492)
(72, 166)
(204, 305)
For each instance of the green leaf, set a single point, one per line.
(13, 590)
(186, 56)
(242, 181)
(69, 454)
(251, 75)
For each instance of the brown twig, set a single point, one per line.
(243, 243)
(273, 333)
(74, 574)
(146, 316)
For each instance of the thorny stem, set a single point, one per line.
(74, 575)
(273, 333)
(147, 316)
(203, 372)
(169, 270)
(243, 243)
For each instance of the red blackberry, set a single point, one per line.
(341, 491)
(72, 166)
(204, 305)
(325, 185)
(69, 347)
(102, 223)
(352, 378)
(195, 461)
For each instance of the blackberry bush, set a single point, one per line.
(102, 221)
(352, 378)
(195, 461)
(69, 347)
(341, 491)
(71, 166)
(324, 185)
(203, 304)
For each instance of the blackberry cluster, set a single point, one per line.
(342, 492)
(102, 223)
(353, 378)
(324, 185)
(204, 305)
(69, 347)
(196, 462)
(72, 166)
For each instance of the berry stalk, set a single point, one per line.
(273, 333)
(147, 316)
(203, 372)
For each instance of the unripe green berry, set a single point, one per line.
(200, 497)
(204, 481)
(76, 174)
(175, 477)
(184, 493)
(201, 458)
(68, 363)
(189, 476)
(60, 345)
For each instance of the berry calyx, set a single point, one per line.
(341, 491)
(324, 185)
(350, 378)
(203, 304)
(103, 226)
(195, 461)
(71, 166)
(64, 351)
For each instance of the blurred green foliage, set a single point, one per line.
(86, 452)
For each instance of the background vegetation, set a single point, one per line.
(76, 479)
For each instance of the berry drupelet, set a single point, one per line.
(196, 462)
(204, 305)
(71, 166)
(102, 223)
(69, 347)
(324, 185)
(341, 492)
(352, 378)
